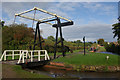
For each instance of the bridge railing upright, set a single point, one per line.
(39, 54)
(25, 54)
(12, 53)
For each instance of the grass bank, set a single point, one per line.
(90, 59)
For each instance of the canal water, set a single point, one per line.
(108, 53)
(58, 73)
(55, 73)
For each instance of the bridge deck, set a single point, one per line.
(14, 62)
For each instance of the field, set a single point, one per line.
(90, 59)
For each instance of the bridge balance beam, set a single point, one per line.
(64, 24)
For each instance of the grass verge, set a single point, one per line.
(90, 59)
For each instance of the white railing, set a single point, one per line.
(5, 54)
(24, 54)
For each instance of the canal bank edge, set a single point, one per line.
(83, 68)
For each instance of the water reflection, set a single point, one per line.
(56, 73)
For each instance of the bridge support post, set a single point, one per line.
(62, 46)
(56, 42)
(37, 30)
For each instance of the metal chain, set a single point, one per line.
(34, 18)
(14, 20)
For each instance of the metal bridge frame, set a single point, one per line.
(47, 21)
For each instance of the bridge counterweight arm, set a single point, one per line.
(44, 11)
(25, 12)
(51, 14)
(33, 19)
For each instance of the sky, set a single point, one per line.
(91, 19)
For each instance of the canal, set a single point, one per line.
(60, 73)
(55, 73)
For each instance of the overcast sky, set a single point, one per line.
(91, 19)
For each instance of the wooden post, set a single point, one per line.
(35, 36)
(56, 43)
(37, 30)
(59, 25)
(39, 36)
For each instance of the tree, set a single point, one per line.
(51, 38)
(116, 30)
(100, 41)
(78, 41)
(16, 35)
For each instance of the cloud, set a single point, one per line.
(91, 5)
(99, 7)
(14, 7)
(60, 1)
(9, 10)
(91, 31)
(67, 6)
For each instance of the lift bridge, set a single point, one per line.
(37, 56)
(27, 57)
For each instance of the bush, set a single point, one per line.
(112, 47)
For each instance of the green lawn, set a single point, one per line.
(89, 59)
(59, 53)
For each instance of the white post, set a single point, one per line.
(23, 57)
(20, 52)
(12, 55)
(31, 56)
(39, 55)
(45, 55)
(2, 56)
(5, 56)
(20, 58)
(26, 55)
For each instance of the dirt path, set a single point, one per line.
(8, 72)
